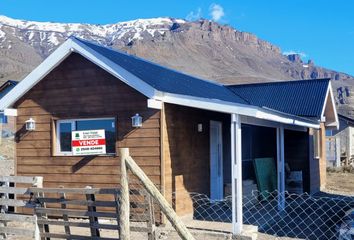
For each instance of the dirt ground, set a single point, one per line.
(337, 183)
(340, 183)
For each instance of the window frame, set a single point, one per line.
(58, 151)
(3, 118)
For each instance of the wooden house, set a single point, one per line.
(340, 143)
(196, 135)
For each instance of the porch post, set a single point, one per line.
(236, 171)
(280, 168)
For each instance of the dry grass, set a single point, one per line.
(7, 148)
(341, 183)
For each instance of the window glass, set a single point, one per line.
(65, 137)
(328, 133)
(3, 118)
(106, 124)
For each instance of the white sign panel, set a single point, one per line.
(89, 142)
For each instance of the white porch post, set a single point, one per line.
(280, 168)
(236, 171)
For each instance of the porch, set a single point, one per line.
(200, 180)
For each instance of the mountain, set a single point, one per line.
(202, 48)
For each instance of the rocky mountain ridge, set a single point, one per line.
(202, 48)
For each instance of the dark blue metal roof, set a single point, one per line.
(300, 99)
(7, 87)
(303, 98)
(165, 79)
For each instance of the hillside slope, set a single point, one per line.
(202, 48)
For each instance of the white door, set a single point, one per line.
(216, 161)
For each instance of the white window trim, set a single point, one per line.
(58, 151)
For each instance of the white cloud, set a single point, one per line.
(216, 12)
(192, 16)
(291, 52)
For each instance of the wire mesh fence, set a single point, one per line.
(304, 216)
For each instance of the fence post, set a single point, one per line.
(337, 144)
(3, 209)
(159, 198)
(92, 209)
(65, 216)
(124, 213)
(37, 234)
(151, 221)
(38, 183)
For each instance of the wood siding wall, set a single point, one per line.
(318, 166)
(323, 157)
(78, 88)
(187, 155)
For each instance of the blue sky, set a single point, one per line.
(320, 30)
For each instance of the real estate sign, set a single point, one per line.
(89, 142)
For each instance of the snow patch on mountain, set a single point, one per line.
(2, 35)
(134, 29)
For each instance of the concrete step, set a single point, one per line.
(249, 232)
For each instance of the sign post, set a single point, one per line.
(88, 142)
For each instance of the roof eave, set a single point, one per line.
(329, 94)
(59, 55)
(242, 109)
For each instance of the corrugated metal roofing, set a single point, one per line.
(164, 79)
(7, 87)
(294, 98)
(301, 98)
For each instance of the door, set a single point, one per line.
(216, 161)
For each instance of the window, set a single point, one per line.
(329, 133)
(3, 118)
(316, 143)
(65, 127)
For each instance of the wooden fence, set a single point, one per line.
(62, 207)
(60, 212)
(8, 192)
(333, 151)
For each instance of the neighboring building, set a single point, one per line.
(190, 138)
(7, 131)
(4, 89)
(340, 143)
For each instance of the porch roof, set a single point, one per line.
(303, 98)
